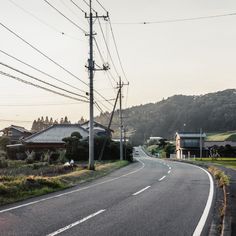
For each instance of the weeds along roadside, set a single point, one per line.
(19, 187)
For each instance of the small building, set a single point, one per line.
(51, 138)
(154, 139)
(16, 133)
(99, 129)
(188, 144)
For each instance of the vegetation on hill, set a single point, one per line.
(225, 136)
(213, 112)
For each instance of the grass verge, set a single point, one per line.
(223, 181)
(16, 188)
(223, 161)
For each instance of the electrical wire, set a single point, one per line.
(44, 22)
(103, 61)
(72, 22)
(39, 80)
(89, 5)
(109, 53)
(77, 6)
(70, 9)
(43, 54)
(101, 6)
(18, 121)
(38, 105)
(38, 70)
(117, 52)
(54, 62)
(176, 20)
(41, 87)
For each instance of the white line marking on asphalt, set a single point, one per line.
(206, 211)
(162, 178)
(75, 223)
(134, 194)
(169, 171)
(73, 191)
(169, 168)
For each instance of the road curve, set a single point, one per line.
(149, 197)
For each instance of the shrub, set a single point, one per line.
(30, 157)
(4, 141)
(3, 162)
(62, 157)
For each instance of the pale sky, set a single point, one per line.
(160, 60)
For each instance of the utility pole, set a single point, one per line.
(91, 69)
(121, 122)
(201, 143)
(120, 85)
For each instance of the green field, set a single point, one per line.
(226, 136)
(224, 161)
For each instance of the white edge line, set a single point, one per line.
(206, 211)
(134, 194)
(75, 223)
(163, 177)
(73, 191)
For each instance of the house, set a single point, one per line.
(99, 129)
(51, 138)
(16, 133)
(190, 144)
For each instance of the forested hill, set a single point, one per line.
(212, 112)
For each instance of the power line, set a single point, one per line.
(54, 62)
(41, 87)
(19, 121)
(117, 52)
(77, 6)
(38, 70)
(176, 20)
(38, 105)
(70, 9)
(89, 6)
(109, 53)
(72, 22)
(43, 54)
(103, 61)
(101, 6)
(44, 22)
(39, 80)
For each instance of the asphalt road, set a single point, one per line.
(149, 197)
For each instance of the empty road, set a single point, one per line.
(148, 197)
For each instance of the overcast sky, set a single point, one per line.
(160, 60)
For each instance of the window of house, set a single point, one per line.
(191, 143)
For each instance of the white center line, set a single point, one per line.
(162, 178)
(75, 223)
(169, 168)
(169, 171)
(134, 194)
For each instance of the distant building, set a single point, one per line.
(157, 139)
(188, 144)
(15, 133)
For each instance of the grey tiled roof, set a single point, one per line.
(55, 133)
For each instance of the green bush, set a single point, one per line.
(4, 141)
(31, 156)
(3, 162)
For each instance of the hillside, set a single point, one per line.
(225, 136)
(213, 112)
